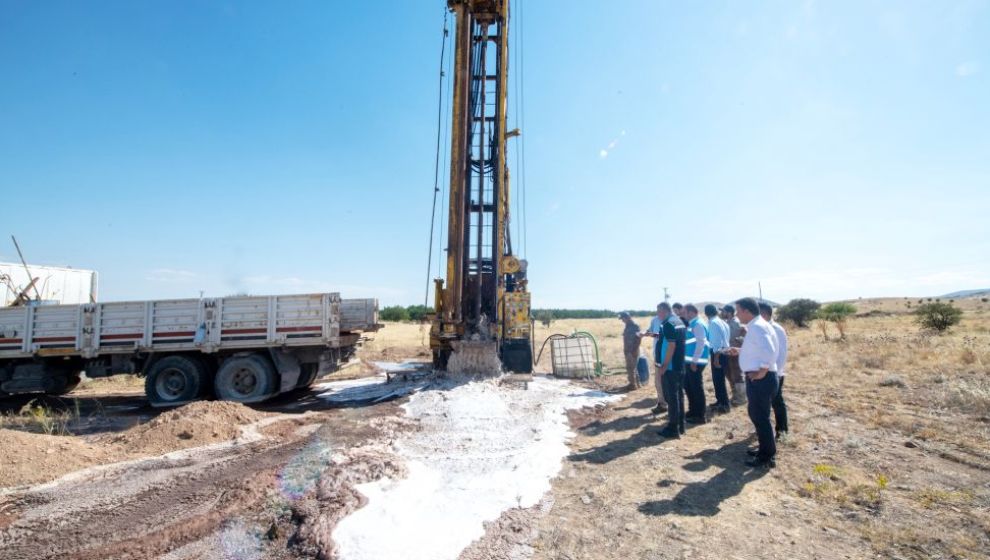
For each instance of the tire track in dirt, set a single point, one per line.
(91, 519)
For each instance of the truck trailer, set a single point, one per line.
(240, 348)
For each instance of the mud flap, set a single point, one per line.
(288, 367)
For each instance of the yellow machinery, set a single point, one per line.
(484, 306)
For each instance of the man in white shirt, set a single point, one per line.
(779, 406)
(758, 361)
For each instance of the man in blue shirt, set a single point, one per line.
(669, 357)
(718, 338)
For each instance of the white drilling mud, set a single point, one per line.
(481, 449)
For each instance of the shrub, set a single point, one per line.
(418, 313)
(837, 313)
(938, 317)
(799, 311)
(394, 313)
(984, 300)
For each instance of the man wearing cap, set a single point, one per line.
(718, 338)
(736, 334)
(758, 360)
(669, 356)
(630, 347)
(778, 404)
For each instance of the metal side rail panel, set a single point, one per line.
(202, 325)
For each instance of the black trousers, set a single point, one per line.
(694, 387)
(718, 380)
(760, 395)
(780, 407)
(672, 383)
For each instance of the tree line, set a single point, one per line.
(936, 316)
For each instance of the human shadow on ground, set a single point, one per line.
(646, 403)
(647, 436)
(619, 424)
(704, 498)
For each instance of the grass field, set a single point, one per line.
(889, 454)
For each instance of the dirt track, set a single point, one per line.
(178, 503)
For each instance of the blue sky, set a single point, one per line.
(826, 149)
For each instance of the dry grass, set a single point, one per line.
(38, 418)
(889, 425)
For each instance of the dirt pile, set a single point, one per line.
(195, 424)
(27, 458)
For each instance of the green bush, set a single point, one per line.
(418, 313)
(837, 313)
(394, 313)
(799, 311)
(938, 317)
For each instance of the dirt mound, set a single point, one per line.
(28, 458)
(192, 425)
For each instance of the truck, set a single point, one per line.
(240, 348)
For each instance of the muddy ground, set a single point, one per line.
(886, 459)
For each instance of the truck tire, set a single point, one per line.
(308, 376)
(71, 382)
(246, 378)
(174, 380)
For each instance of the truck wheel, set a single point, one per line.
(308, 376)
(174, 380)
(71, 382)
(246, 378)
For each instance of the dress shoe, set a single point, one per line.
(695, 420)
(757, 462)
(669, 434)
(752, 452)
(659, 409)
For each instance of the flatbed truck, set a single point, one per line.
(239, 348)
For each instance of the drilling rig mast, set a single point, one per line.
(484, 305)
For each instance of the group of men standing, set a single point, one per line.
(745, 347)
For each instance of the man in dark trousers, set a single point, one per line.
(696, 356)
(758, 361)
(669, 357)
(779, 406)
(718, 339)
(630, 347)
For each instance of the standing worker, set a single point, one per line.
(654, 331)
(736, 333)
(758, 360)
(696, 356)
(779, 406)
(718, 339)
(669, 357)
(631, 340)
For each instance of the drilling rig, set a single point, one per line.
(483, 308)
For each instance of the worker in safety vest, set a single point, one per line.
(696, 354)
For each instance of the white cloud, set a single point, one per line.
(603, 154)
(170, 276)
(835, 284)
(967, 69)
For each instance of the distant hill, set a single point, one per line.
(968, 293)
